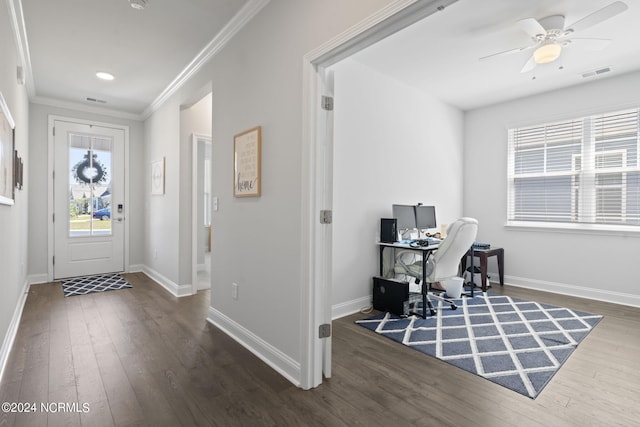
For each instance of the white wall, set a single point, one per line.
(596, 265)
(256, 81)
(14, 232)
(392, 144)
(38, 197)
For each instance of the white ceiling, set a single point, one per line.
(440, 54)
(69, 40)
(148, 50)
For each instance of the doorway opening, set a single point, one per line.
(317, 155)
(196, 235)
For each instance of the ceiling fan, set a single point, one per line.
(550, 36)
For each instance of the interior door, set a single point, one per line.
(88, 199)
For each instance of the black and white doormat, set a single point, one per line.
(87, 285)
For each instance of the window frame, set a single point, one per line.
(585, 214)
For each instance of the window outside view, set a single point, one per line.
(89, 186)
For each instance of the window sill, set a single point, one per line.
(598, 229)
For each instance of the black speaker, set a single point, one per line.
(388, 230)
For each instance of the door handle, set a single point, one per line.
(119, 219)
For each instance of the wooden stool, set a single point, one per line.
(484, 254)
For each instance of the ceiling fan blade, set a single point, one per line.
(589, 44)
(532, 27)
(507, 52)
(529, 65)
(599, 15)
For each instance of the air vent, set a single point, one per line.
(99, 101)
(596, 72)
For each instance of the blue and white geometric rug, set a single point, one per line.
(515, 343)
(86, 285)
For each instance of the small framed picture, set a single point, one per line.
(247, 153)
(157, 177)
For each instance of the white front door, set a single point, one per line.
(88, 199)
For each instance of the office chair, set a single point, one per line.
(442, 264)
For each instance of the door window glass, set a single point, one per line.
(89, 185)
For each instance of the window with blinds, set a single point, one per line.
(583, 171)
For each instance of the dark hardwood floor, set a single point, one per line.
(142, 357)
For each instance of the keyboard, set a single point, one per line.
(480, 245)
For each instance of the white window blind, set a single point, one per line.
(585, 170)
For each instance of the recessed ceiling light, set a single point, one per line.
(138, 4)
(104, 75)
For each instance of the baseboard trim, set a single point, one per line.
(170, 286)
(283, 364)
(10, 336)
(38, 279)
(350, 307)
(571, 290)
(136, 268)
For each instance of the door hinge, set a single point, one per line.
(326, 216)
(324, 331)
(327, 103)
(54, 131)
(53, 217)
(53, 260)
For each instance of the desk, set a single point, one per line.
(425, 252)
(484, 254)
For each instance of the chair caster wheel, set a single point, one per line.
(453, 306)
(432, 312)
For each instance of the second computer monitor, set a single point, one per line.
(425, 217)
(406, 216)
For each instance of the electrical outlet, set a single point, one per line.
(234, 291)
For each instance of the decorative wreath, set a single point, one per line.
(90, 170)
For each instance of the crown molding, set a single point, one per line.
(240, 19)
(20, 34)
(78, 106)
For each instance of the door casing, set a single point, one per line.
(50, 186)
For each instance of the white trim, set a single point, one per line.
(195, 226)
(135, 268)
(244, 15)
(169, 285)
(573, 228)
(84, 107)
(51, 165)
(283, 364)
(350, 307)
(314, 272)
(571, 290)
(38, 279)
(12, 331)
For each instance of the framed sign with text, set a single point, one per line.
(247, 152)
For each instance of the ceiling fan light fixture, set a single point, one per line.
(138, 4)
(546, 53)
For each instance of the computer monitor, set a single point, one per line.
(406, 216)
(425, 217)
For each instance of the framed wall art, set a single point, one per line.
(7, 154)
(18, 168)
(247, 153)
(157, 177)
